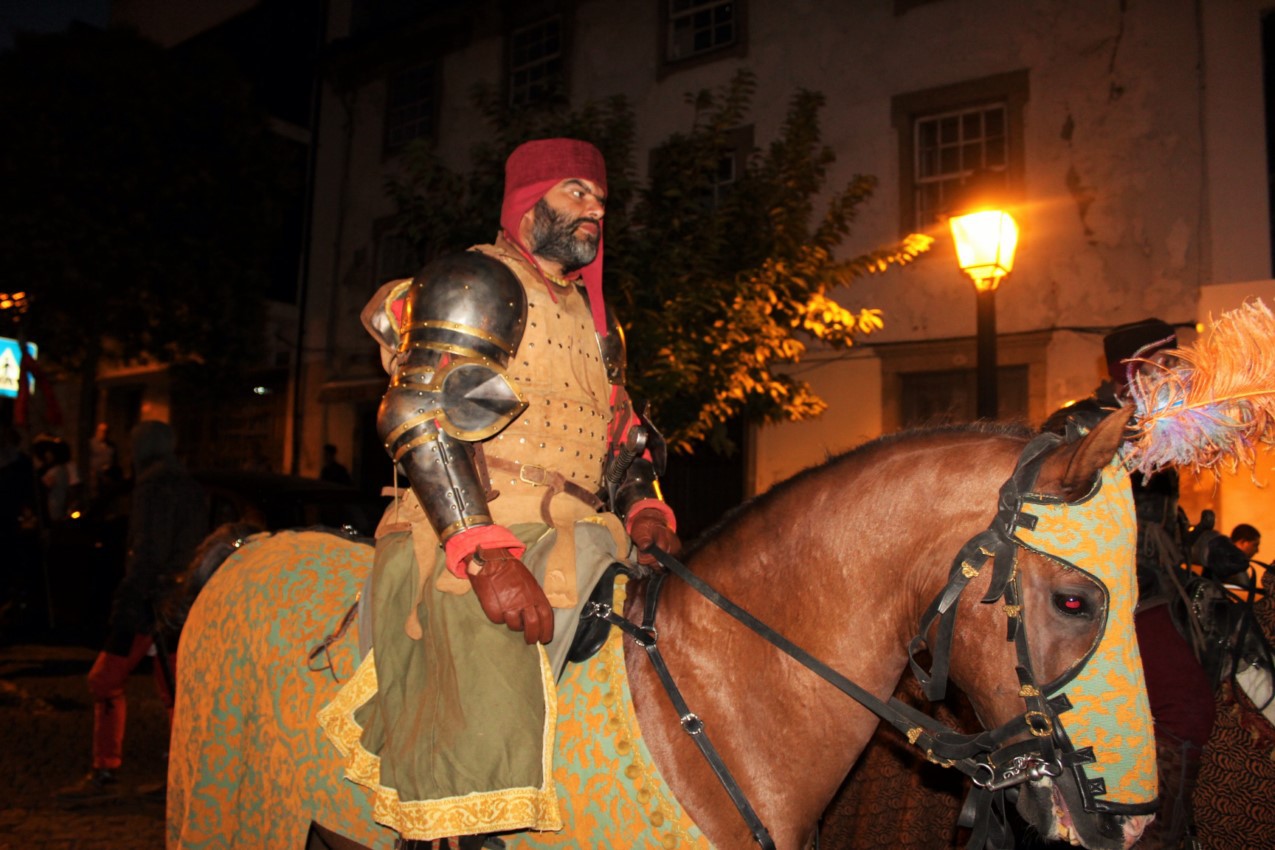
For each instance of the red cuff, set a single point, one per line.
(463, 544)
(658, 505)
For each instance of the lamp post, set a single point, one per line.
(985, 241)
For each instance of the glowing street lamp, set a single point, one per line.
(985, 242)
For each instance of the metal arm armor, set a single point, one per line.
(464, 318)
(613, 351)
(641, 482)
(633, 472)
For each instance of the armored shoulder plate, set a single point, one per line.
(467, 304)
(464, 319)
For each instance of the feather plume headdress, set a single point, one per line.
(1209, 405)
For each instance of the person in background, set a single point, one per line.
(19, 573)
(1247, 539)
(1178, 687)
(333, 470)
(59, 480)
(169, 518)
(105, 476)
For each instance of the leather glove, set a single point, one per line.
(510, 595)
(650, 527)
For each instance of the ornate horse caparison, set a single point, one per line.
(853, 562)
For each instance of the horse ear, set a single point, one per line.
(1069, 472)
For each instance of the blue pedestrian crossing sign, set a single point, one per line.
(11, 365)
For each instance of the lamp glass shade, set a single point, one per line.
(985, 243)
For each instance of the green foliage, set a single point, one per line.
(736, 287)
(720, 289)
(138, 211)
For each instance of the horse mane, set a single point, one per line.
(1016, 430)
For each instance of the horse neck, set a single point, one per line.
(842, 563)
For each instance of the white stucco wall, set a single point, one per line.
(1235, 141)
(1245, 495)
(851, 384)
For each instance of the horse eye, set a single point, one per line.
(1072, 604)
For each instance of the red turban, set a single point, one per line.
(536, 167)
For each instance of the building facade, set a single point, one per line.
(1129, 138)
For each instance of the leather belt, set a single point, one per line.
(553, 482)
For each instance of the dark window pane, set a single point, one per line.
(949, 130)
(971, 156)
(973, 125)
(994, 153)
(699, 27)
(995, 120)
(949, 162)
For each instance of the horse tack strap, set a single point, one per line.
(646, 637)
(953, 748)
(1019, 762)
(996, 543)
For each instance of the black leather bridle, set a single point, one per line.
(994, 766)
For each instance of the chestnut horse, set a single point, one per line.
(852, 562)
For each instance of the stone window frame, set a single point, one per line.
(412, 105)
(523, 93)
(670, 17)
(960, 354)
(1010, 90)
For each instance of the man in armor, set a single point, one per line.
(530, 473)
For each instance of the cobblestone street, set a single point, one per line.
(45, 744)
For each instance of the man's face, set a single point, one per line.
(566, 224)
(1249, 547)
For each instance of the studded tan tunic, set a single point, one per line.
(559, 370)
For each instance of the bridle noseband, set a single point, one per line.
(994, 766)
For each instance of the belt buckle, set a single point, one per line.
(536, 476)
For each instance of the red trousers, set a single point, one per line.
(106, 683)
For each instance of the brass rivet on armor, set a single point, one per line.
(542, 445)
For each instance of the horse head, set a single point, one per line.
(1074, 536)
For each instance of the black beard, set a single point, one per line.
(553, 237)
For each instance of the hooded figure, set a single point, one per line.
(167, 521)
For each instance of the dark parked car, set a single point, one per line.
(276, 501)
